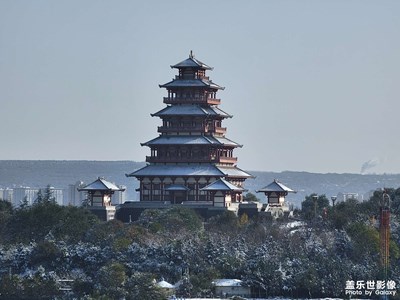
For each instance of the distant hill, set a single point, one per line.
(61, 173)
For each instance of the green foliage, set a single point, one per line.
(250, 197)
(142, 286)
(112, 260)
(5, 214)
(175, 220)
(45, 254)
(104, 233)
(199, 284)
(111, 279)
(46, 217)
(227, 222)
(344, 213)
(365, 239)
(244, 219)
(45, 196)
(26, 288)
(313, 206)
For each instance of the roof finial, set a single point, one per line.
(191, 54)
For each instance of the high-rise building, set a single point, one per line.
(6, 194)
(73, 196)
(21, 194)
(191, 160)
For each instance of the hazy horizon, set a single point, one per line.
(266, 171)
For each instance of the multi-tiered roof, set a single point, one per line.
(191, 146)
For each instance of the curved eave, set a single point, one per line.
(176, 171)
(182, 83)
(234, 172)
(222, 185)
(191, 110)
(227, 142)
(191, 63)
(221, 113)
(163, 140)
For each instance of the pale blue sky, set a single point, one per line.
(312, 85)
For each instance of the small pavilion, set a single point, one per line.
(276, 193)
(221, 192)
(99, 194)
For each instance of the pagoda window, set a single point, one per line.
(196, 152)
(202, 194)
(192, 191)
(200, 73)
(188, 74)
(157, 191)
(183, 152)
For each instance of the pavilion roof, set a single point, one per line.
(226, 142)
(276, 186)
(191, 62)
(190, 140)
(222, 185)
(101, 185)
(191, 110)
(234, 172)
(189, 170)
(191, 83)
(177, 170)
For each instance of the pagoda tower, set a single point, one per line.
(191, 152)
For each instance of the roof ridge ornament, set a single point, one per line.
(191, 54)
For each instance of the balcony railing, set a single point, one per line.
(199, 100)
(228, 160)
(176, 159)
(177, 77)
(164, 129)
(220, 130)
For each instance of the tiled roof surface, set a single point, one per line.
(191, 110)
(189, 170)
(190, 140)
(177, 170)
(234, 172)
(191, 83)
(101, 185)
(276, 186)
(179, 140)
(221, 185)
(192, 62)
(227, 142)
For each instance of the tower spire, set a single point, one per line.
(191, 54)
